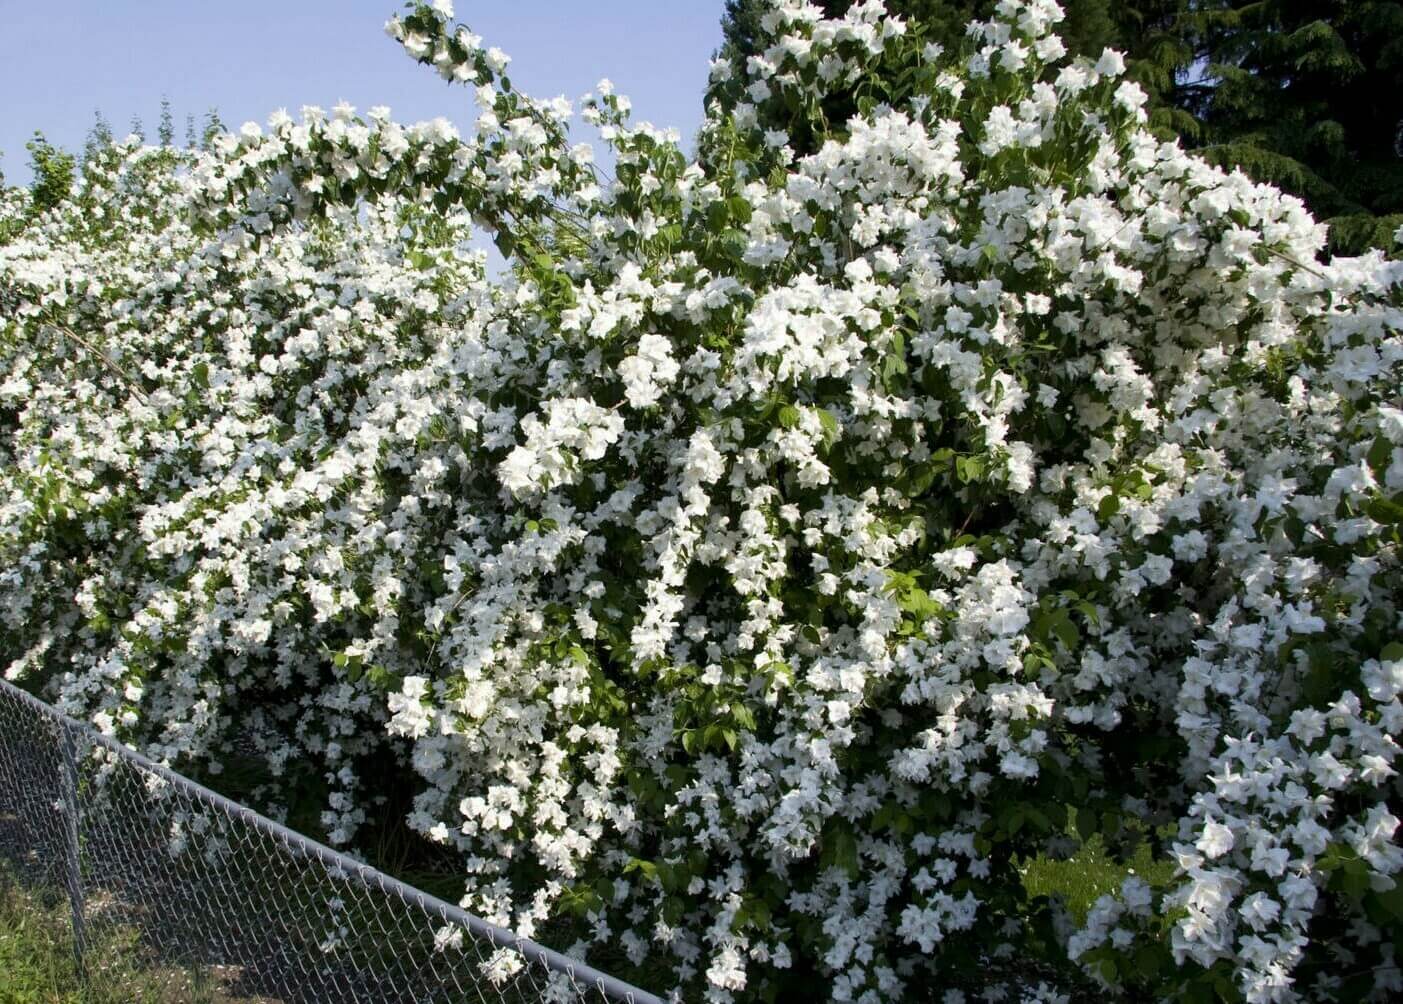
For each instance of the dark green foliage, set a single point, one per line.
(1158, 41)
(740, 27)
(1305, 94)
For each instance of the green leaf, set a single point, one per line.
(969, 469)
(839, 847)
(920, 477)
(893, 367)
(1391, 901)
(1379, 455)
(645, 868)
(1354, 878)
(1388, 511)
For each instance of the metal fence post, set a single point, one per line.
(68, 787)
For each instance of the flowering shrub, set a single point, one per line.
(782, 550)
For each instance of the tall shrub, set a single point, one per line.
(782, 552)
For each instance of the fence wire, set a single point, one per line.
(208, 885)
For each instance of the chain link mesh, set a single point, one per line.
(212, 886)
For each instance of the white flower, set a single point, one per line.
(1111, 63)
(1260, 911)
(518, 472)
(1215, 840)
(497, 60)
(648, 371)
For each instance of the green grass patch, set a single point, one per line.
(37, 963)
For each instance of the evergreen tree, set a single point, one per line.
(165, 132)
(1160, 44)
(192, 138)
(138, 130)
(1305, 94)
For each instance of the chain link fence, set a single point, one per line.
(211, 886)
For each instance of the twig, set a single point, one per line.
(103, 356)
(1298, 264)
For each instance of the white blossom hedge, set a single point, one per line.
(784, 549)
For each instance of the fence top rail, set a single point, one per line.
(499, 937)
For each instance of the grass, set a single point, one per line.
(37, 964)
(36, 953)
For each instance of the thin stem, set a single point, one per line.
(1301, 265)
(103, 357)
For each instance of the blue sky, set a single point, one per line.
(249, 57)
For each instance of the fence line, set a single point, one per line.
(137, 846)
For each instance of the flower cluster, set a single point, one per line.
(787, 546)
